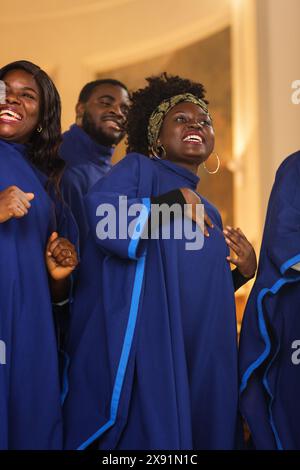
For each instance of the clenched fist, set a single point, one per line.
(61, 257)
(14, 203)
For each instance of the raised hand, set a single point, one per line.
(245, 260)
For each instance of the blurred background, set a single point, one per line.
(245, 52)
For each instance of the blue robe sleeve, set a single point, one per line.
(283, 241)
(74, 188)
(271, 317)
(117, 213)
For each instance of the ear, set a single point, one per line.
(79, 109)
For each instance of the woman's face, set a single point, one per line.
(19, 117)
(187, 135)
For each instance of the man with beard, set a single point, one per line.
(88, 145)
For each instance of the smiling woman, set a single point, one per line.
(166, 377)
(20, 114)
(35, 263)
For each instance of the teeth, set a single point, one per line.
(10, 114)
(114, 124)
(193, 138)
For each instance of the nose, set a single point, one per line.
(116, 109)
(196, 124)
(12, 97)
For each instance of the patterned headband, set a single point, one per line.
(158, 115)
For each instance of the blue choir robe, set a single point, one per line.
(87, 162)
(270, 379)
(153, 333)
(30, 408)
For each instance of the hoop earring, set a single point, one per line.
(155, 152)
(218, 166)
(39, 129)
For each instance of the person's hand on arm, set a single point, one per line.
(193, 199)
(61, 260)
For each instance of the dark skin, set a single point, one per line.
(19, 118)
(103, 116)
(188, 138)
(61, 260)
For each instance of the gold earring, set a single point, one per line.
(218, 166)
(155, 151)
(39, 129)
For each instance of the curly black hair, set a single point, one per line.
(145, 101)
(43, 146)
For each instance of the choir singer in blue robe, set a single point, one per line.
(88, 145)
(270, 335)
(153, 340)
(35, 262)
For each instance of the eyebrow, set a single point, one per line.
(112, 98)
(30, 89)
(106, 96)
(186, 112)
(23, 88)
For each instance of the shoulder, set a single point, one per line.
(131, 163)
(288, 176)
(75, 176)
(289, 166)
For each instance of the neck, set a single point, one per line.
(97, 139)
(191, 166)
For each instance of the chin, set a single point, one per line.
(6, 136)
(197, 159)
(113, 138)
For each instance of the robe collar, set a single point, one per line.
(92, 151)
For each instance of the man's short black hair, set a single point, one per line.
(88, 89)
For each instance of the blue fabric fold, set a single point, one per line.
(30, 408)
(269, 380)
(87, 162)
(152, 340)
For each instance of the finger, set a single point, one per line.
(58, 242)
(62, 241)
(200, 222)
(236, 248)
(24, 197)
(17, 212)
(24, 200)
(238, 232)
(236, 238)
(29, 196)
(68, 262)
(244, 238)
(52, 238)
(208, 221)
(241, 233)
(63, 254)
(61, 244)
(19, 204)
(232, 260)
